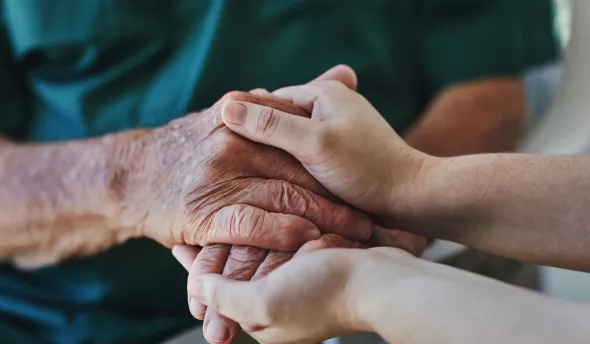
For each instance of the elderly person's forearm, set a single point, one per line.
(62, 199)
(189, 182)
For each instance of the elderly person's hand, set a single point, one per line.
(313, 297)
(195, 182)
(346, 144)
(246, 262)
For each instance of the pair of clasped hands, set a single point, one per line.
(312, 294)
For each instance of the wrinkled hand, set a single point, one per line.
(244, 263)
(195, 182)
(313, 297)
(346, 145)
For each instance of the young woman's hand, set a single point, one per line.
(315, 296)
(346, 145)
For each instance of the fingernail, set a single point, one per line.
(235, 113)
(365, 228)
(312, 234)
(196, 308)
(217, 331)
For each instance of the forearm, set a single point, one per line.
(445, 305)
(475, 117)
(532, 208)
(59, 200)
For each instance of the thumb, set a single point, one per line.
(233, 299)
(294, 134)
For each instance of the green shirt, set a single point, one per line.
(71, 69)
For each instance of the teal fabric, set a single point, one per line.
(71, 69)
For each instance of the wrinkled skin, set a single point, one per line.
(315, 296)
(201, 184)
(244, 263)
(250, 263)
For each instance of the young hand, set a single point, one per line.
(313, 297)
(346, 145)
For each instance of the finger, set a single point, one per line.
(409, 242)
(242, 224)
(241, 265)
(185, 254)
(284, 167)
(274, 102)
(273, 260)
(330, 217)
(313, 95)
(297, 135)
(219, 329)
(236, 300)
(243, 261)
(261, 92)
(342, 73)
(287, 168)
(304, 96)
(211, 260)
(329, 241)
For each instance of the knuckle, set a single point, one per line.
(333, 86)
(268, 120)
(243, 262)
(290, 199)
(211, 258)
(235, 96)
(245, 222)
(193, 234)
(334, 241)
(247, 254)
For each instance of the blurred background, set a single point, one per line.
(558, 282)
(103, 66)
(560, 126)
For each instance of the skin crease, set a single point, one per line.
(506, 204)
(332, 292)
(224, 194)
(246, 262)
(71, 199)
(448, 127)
(187, 255)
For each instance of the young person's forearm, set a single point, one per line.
(533, 208)
(58, 200)
(446, 305)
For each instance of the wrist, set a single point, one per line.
(407, 187)
(124, 153)
(393, 303)
(382, 279)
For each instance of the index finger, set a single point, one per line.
(310, 95)
(342, 73)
